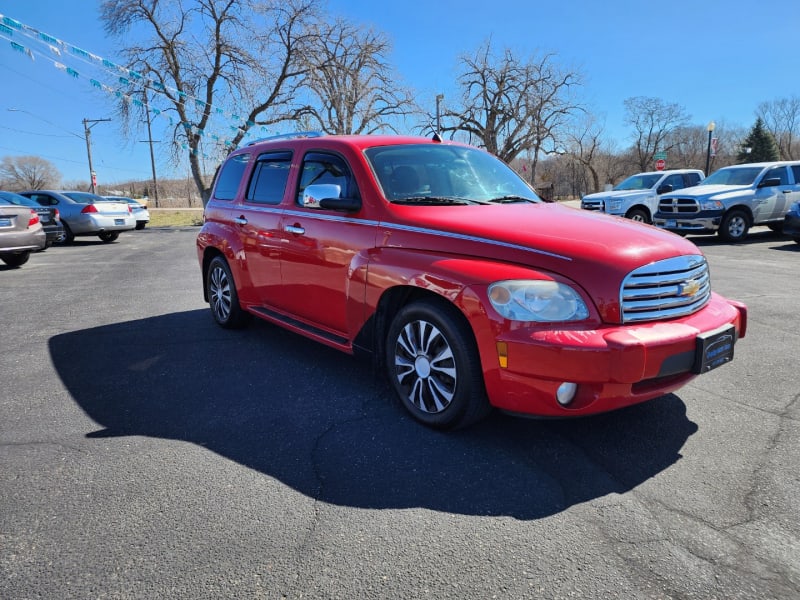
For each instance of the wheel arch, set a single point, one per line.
(209, 254)
(640, 207)
(372, 336)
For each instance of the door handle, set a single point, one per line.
(787, 191)
(294, 229)
(240, 220)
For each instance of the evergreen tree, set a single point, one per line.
(758, 146)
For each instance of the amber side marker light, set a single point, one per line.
(502, 354)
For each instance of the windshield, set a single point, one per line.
(434, 173)
(638, 182)
(733, 176)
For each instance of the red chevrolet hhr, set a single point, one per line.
(437, 258)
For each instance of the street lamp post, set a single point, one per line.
(710, 128)
(88, 134)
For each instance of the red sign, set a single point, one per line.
(661, 164)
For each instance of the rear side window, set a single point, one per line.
(692, 179)
(270, 174)
(777, 173)
(230, 175)
(796, 173)
(319, 167)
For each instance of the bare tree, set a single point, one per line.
(653, 120)
(351, 81)
(781, 118)
(688, 146)
(511, 106)
(19, 173)
(585, 144)
(201, 55)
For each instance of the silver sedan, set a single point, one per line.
(84, 214)
(21, 233)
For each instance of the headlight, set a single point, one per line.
(711, 205)
(614, 204)
(535, 300)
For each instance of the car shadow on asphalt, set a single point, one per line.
(323, 422)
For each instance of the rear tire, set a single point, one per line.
(734, 226)
(69, 237)
(433, 366)
(109, 236)
(140, 225)
(222, 296)
(15, 260)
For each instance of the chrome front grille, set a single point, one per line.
(592, 205)
(665, 289)
(681, 206)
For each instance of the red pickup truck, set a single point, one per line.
(440, 261)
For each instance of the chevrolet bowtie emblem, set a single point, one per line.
(688, 288)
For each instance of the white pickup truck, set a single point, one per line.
(637, 196)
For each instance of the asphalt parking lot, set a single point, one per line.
(147, 453)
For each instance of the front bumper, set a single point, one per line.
(613, 366)
(696, 223)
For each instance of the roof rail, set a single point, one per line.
(289, 136)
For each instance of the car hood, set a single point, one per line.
(704, 191)
(594, 250)
(619, 194)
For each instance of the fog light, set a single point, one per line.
(566, 393)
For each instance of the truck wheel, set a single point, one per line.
(433, 365)
(638, 215)
(734, 226)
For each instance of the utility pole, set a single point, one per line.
(150, 141)
(88, 134)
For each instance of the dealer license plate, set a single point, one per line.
(119, 221)
(5, 222)
(672, 223)
(714, 349)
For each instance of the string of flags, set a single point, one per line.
(126, 84)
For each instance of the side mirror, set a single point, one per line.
(329, 196)
(771, 182)
(664, 189)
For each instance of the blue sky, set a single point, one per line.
(718, 59)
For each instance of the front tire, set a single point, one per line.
(222, 297)
(109, 236)
(638, 215)
(734, 226)
(433, 365)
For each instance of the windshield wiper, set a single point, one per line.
(508, 199)
(433, 200)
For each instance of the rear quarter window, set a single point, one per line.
(230, 176)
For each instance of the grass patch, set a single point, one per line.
(168, 217)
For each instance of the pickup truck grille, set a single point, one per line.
(592, 205)
(682, 206)
(665, 289)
